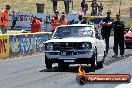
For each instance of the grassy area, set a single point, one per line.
(30, 6)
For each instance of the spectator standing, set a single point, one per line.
(94, 6)
(100, 8)
(106, 29)
(84, 6)
(66, 3)
(55, 21)
(118, 27)
(55, 2)
(35, 25)
(4, 15)
(63, 20)
(80, 18)
(14, 19)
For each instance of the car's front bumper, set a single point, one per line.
(73, 56)
(69, 54)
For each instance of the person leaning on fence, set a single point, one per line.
(63, 20)
(4, 15)
(55, 21)
(118, 27)
(35, 25)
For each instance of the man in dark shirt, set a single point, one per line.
(106, 29)
(54, 4)
(118, 27)
(66, 3)
(94, 6)
(14, 18)
(84, 6)
(80, 18)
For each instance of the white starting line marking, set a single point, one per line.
(129, 85)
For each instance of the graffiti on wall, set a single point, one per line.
(21, 45)
(39, 41)
(27, 44)
(4, 44)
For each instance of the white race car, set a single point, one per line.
(75, 44)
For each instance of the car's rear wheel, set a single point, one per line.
(48, 63)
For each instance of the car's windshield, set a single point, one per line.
(73, 31)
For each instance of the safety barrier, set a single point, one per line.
(15, 45)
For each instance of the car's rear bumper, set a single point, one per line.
(128, 42)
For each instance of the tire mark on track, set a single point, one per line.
(58, 77)
(22, 72)
(28, 71)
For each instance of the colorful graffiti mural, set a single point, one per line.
(27, 44)
(39, 41)
(20, 44)
(23, 44)
(4, 46)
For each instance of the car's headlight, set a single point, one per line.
(86, 46)
(49, 46)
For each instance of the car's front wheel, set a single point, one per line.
(48, 63)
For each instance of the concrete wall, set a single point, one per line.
(15, 45)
